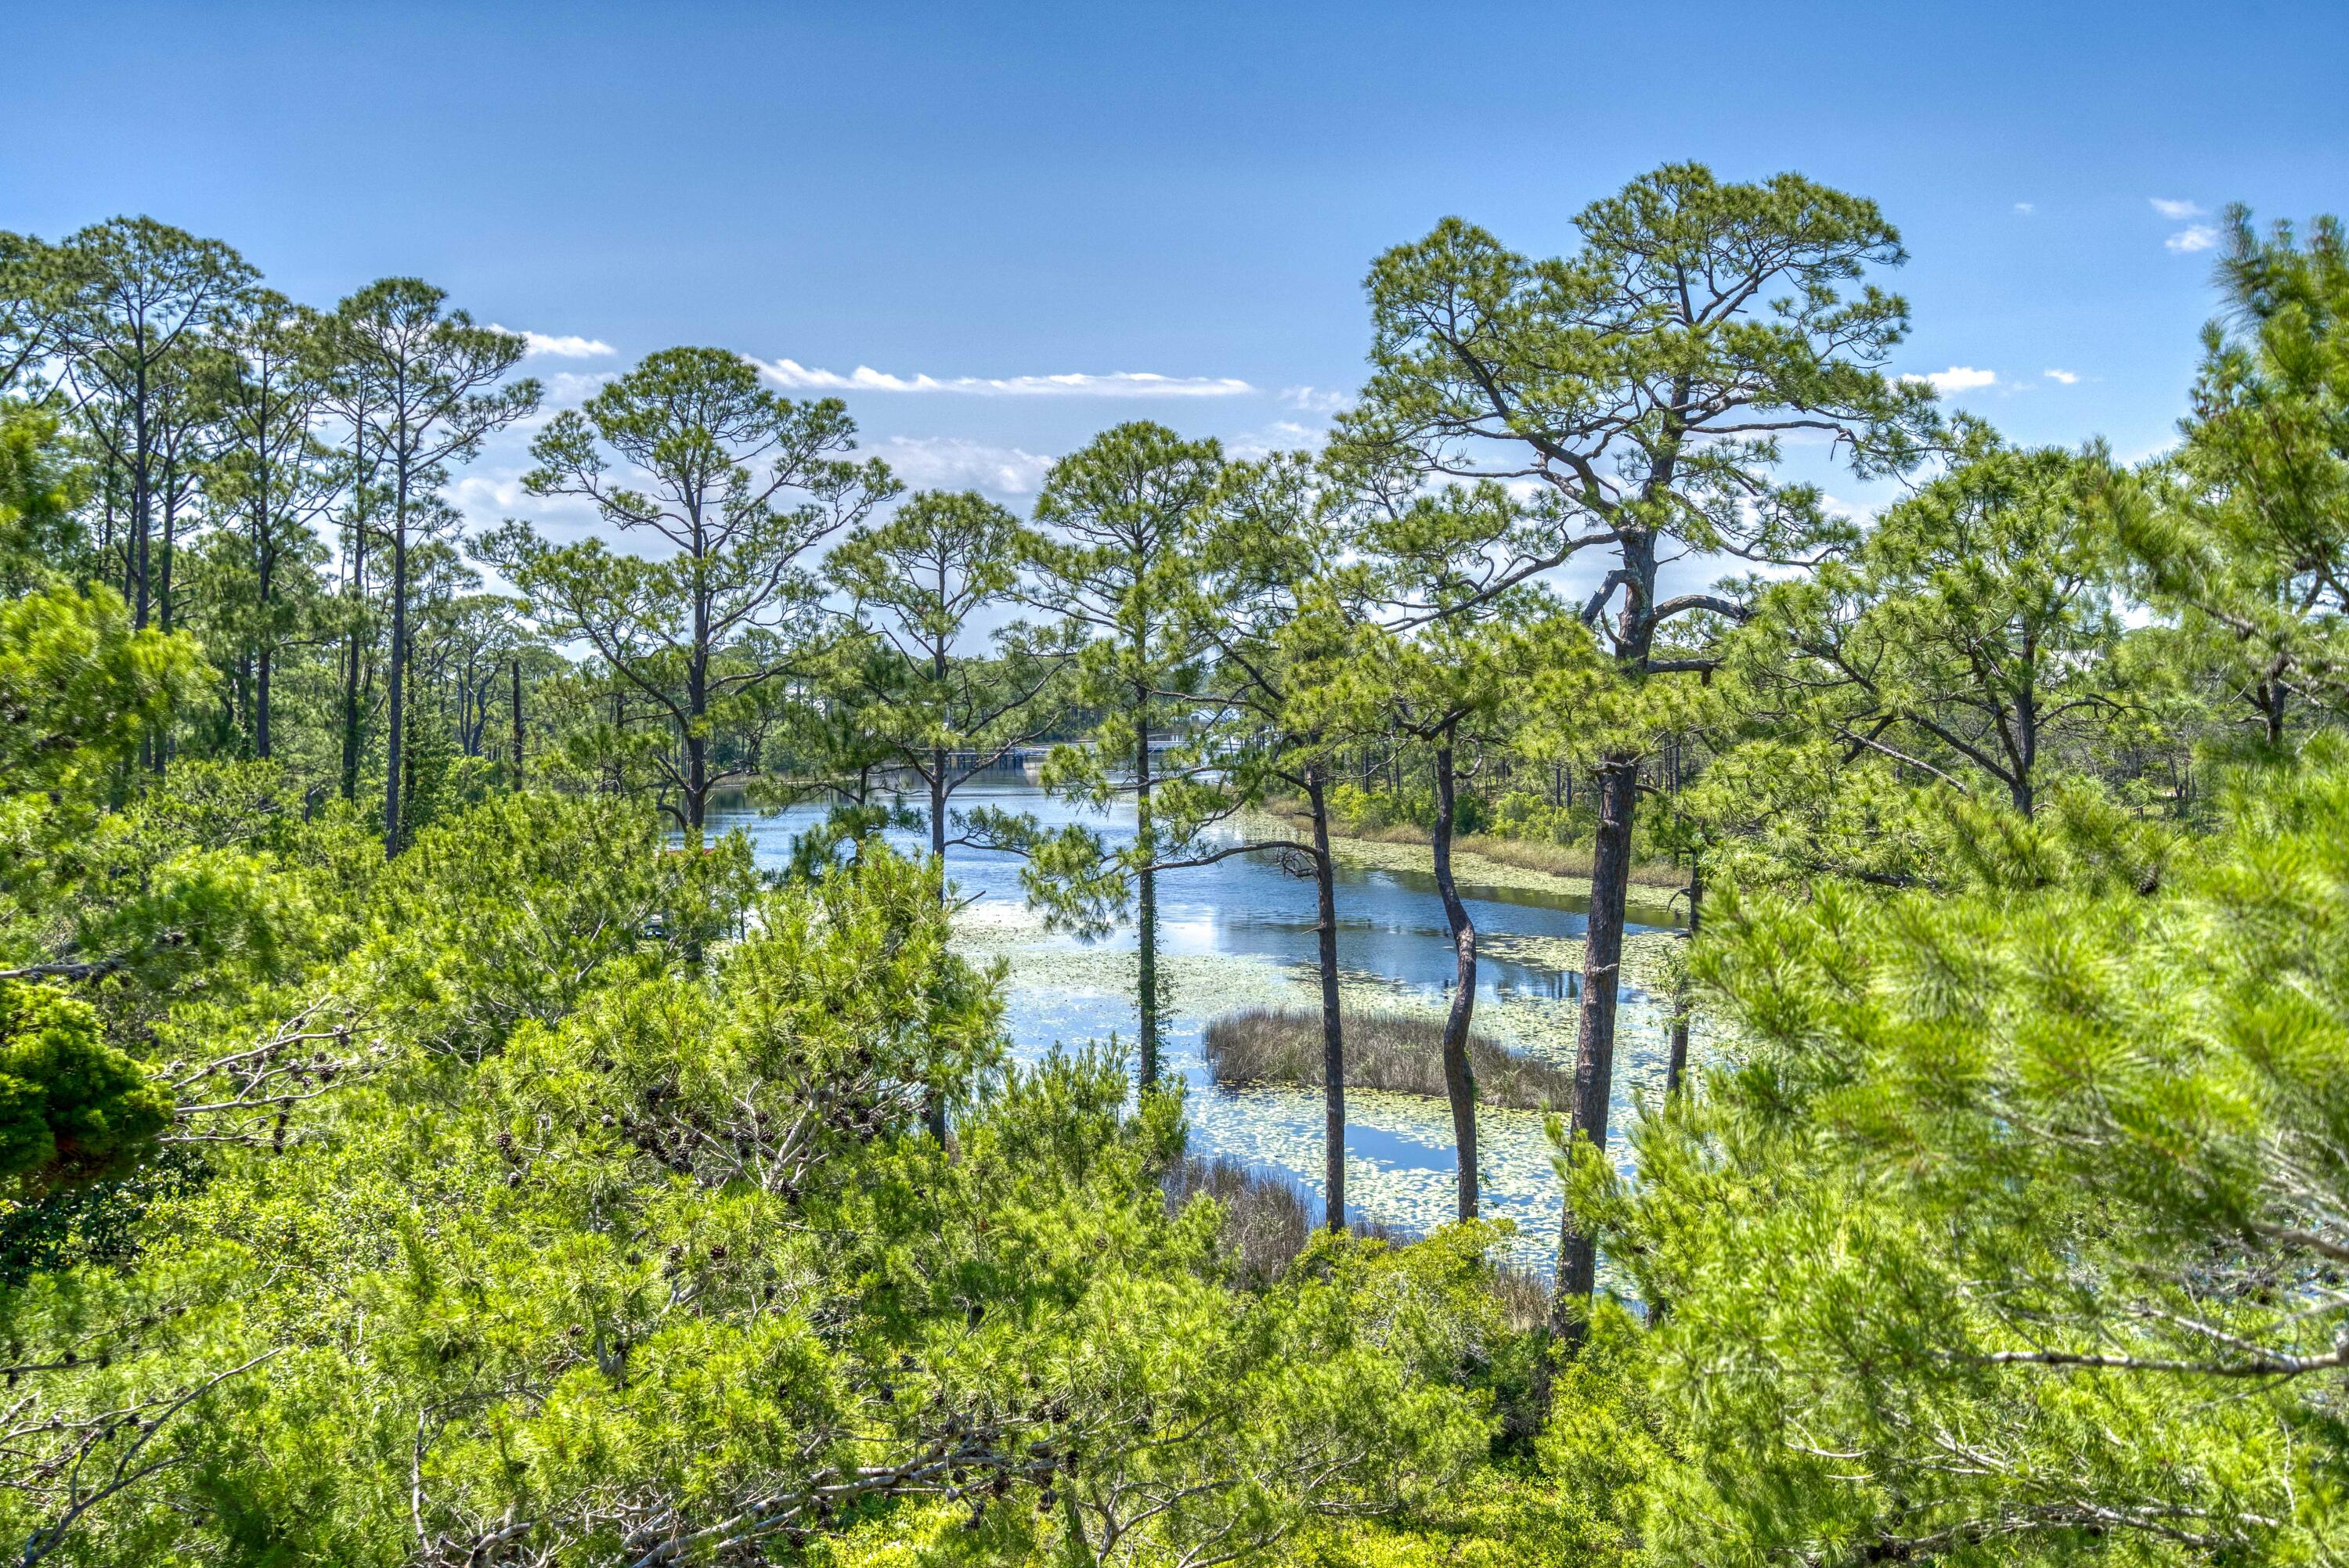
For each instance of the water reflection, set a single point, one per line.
(1240, 931)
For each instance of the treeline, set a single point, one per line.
(413, 1166)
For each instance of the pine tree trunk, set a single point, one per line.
(934, 1106)
(265, 571)
(1459, 1078)
(1593, 1062)
(141, 501)
(696, 708)
(396, 718)
(1146, 906)
(162, 757)
(517, 721)
(1676, 1063)
(1333, 1037)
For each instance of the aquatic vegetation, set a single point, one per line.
(1400, 1160)
(1383, 1050)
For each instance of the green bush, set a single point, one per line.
(73, 1109)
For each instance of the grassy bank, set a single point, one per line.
(1383, 1051)
(1541, 864)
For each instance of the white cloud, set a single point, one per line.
(952, 462)
(1316, 399)
(2063, 377)
(565, 387)
(2026, 207)
(566, 346)
(2192, 238)
(1280, 436)
(1956, 379)
(790, 373)
(2172, 208)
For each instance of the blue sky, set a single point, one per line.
(984, 195)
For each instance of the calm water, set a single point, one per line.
(1240, 932)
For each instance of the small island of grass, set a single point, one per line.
(1388, 1051)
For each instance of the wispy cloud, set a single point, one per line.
(1280, 436)
(1956, 379)
(564, 345)
(2026, 207)
(2192, 238)
(2063, 377)
(790, 373)
(951, 462)
(2170, 208)
(567, 387)
(1316, 399)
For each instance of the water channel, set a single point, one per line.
(1240, 932)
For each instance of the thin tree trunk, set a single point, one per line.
(2026, 758)
(163, 598)
(141, 502)
(517, 721)
(1676, 1062)
(1594, 1063)
(106, 521)
(697, 706)
(353, 660)
(1333, 1035)
(1146, 906)
(934, 1106)
(264, 570)
(1459, 1078)
(394, 750)
(171, 538)
(938, 779)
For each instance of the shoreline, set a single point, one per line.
(1479, 865)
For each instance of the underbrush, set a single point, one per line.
(1268, 1223)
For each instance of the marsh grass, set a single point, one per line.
(1383, 1051)
(1267, 1220)
(1267, 1223)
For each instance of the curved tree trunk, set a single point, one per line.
(1459, 1080)
(1676, 1063)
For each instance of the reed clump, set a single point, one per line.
(1268, 1221)
(1387, 1051)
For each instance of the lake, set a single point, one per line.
(1240, 932)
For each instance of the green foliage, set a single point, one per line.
(516, 909)
(80, 689)
(677, 1265)
(2251, 539)
(1972, 633)
(909, 694)
(1650, 407)
(73, 1109)
(558, 1193)
(742, 485)
(38, 530)
(1568, 1502)
(2016, 1234)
